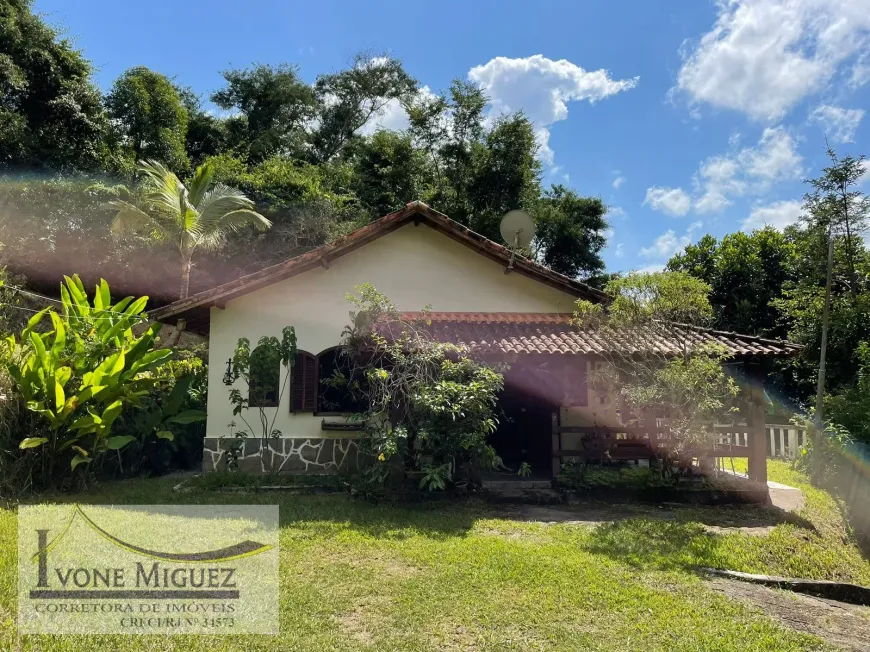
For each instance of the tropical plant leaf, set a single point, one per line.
(111, 412)
(165, 434)
(178, 394)
(188, 416)
(32, 442)
(79, 459)
(119, 441)
(59, 397)
(33, 322)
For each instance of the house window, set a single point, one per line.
(335, 398)
(304, 383)
(265, 378)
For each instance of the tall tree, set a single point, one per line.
(348, 99)
(147, 110)
(275, 107)
(206, 134)
(837, 204)
(746, 272)
(570, 232)
(388, 172)
(198, 216)
(51, 114)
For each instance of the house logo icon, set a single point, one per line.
(153, 582)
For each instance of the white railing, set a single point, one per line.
(782, 441)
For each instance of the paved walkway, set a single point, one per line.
(789, 499)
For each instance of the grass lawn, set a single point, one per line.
(360, 576)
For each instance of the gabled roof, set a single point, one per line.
(505, 333)
(195, 308)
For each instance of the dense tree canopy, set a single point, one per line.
(772, 283)
(150, 117)
(305, 152)
(51, 114)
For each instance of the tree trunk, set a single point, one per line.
(853, 279)
(819, 441)
(185, 277)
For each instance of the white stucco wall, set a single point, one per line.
(414, 266)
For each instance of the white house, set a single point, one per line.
(416, 257)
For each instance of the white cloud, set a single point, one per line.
(745, 171)
(778, 215)
(618, 181)
(673, 201)
(616, 211)
(542, 88)
(669, 243)
(542, 138)
(618, 250)
(763, 56)
(665, 246)
(839, 123)
(751, 170)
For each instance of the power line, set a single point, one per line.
(45, 298)
(31, 310)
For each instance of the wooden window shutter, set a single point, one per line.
(303, 384)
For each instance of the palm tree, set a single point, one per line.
(199, 215)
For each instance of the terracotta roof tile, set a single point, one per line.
(553, 334)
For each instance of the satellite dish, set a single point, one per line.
(517, 229)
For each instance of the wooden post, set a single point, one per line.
(556, 444)
(755, 423)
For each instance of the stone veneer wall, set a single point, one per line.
(320, 455)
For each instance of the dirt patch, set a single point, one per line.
(355, 623)
(384, 563)
(836, 623)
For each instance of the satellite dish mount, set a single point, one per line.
(517, 230)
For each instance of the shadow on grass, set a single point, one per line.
(322, 515)
(687, 541)
(623, 529)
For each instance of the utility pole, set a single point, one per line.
(820, 389)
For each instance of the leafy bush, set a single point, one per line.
(252, 368)
(850, 408)
(68, 386)
(430, 406)
(169, 427)
(575, 476)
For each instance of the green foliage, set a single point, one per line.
(169, 427)
(388, 170)
(255, 368)
(850, 408)
(689, 389)
(197, 216)
(641, 300)
(300, 152)
(575, 476)
(431, 407)
(350, 98)
(151, 117)
(274, 105)
(74, 380)
(746, 272)
(570, 231)
(51, 113)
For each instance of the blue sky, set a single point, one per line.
(685, 116)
